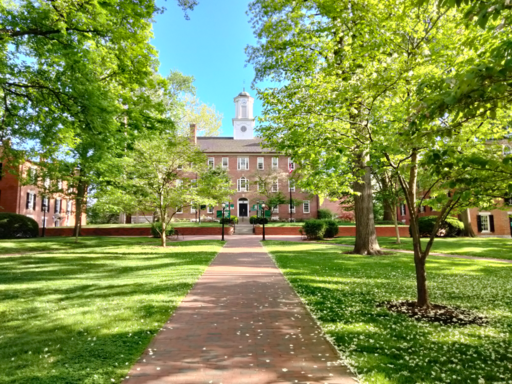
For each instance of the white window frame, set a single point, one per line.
(59, 184)
(488, 221)
(32, 201)
(225, 162)
(306, 203)
(243, 111)
(47, 182)
(246, 163)
(403, 210)
(179, 167)
(275, 162)
(245, 188)
(69, 207)
(192, 208)
(260, 164)
(275, 209)
(47, 200)
(58, 203)
(275, 186)
(209, 209)
(211, 162)
(290, 188)
(422, 209)
(179, 210)
(294, 208)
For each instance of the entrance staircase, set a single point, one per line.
(243, 229)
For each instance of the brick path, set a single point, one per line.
(240, 324)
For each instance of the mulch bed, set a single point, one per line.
(436, 313)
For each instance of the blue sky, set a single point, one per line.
(210, 47)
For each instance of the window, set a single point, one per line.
(275, 162)
(275, 186)
(211, 162)
(484, 223)
(69, 207)
(260, 163)
(192, 208)
(57, 205)
(508, 201)
(31, 201)
(306, 206)
(275, 209)
(57, 222)
(422, 208)
(59, 184)
(32, 174)
(292, 206)
(244, 110)
(180, 167)
(210, 209)
(261, 186)
(225, 162)
(243, 185)
(46, 182)
(291, 165)
(179, 210)
(291, 185)
(243, 163)
(402, 209)
(45, 204)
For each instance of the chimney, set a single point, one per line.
(193, 134)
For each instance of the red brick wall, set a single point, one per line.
(137, 231)
(501, 222)
(253, 195)
(343, 231)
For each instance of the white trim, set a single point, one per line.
(484, 213)
(488, 230)
(304, 206)
(211, 162)
(246, 163)
(227, 163)
(276, 184)
(179, 210)
(260, 162)
(209, 209)
(276, 165)
(291, 189)
(245, 182)
(243, 200)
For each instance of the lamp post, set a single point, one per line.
(263, 220)
(223, 207)
(44, 217)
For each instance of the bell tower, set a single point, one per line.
(243, 122)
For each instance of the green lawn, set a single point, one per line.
(86, 315)
(342, 291)
(469, 246)
(181, 224)
(293, 224)
(63, 243)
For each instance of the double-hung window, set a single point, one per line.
(275, 186)
(209, 209)
(291, 207)
(192, 208)
(31, 201)
(179, 210)
(402, 209)
(275, 162)
(225, 162)
(211, 162)
(57, 205)
(485, 223)
(306, 206)
(243, 185)
(275, 209)
(260, 164)
(243, 163)
(69, 207)
(45, 204)
(291, 185)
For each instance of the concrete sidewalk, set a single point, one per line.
(240, 324)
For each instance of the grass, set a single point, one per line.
(179, 224)
(86, 315)
(341, 224)
(468, 246)
(64, 243)
(342, 291)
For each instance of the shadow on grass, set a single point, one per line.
(343, 290)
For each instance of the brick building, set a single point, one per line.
(244, 158)
(27, 200)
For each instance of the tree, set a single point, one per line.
(161, 177)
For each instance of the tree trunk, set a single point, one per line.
(397, 230)
(386, 203)
(366, 235)
(466, 219)
(422, 300)
(80, 200)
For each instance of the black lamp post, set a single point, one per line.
(223, 207)
(44, 217)
(263, 219)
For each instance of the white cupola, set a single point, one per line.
(243, 122)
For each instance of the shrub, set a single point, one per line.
(234, 219)
(325, 214)
(156, 230)
(314, 229)
(331, 228)
(225, 220)
(451, 227)
(14, 226)
(253, 219)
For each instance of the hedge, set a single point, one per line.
(314, 229)
(14, 226)
(451, 227)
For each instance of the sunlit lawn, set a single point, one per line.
(342, 292)
(469, 246)
(86, 315)
(62, 243)
(178, 224)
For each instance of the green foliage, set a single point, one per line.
(331, 228)
(450, 227)
(156, 230)
(14, 226)
(327, 214)
(314, 229)
(253, 219)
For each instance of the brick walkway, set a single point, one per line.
(240, 324)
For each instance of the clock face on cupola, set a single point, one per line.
(243, 122)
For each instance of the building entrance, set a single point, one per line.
(243, 208)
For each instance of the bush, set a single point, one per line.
(253, 219)
(156, 230)
(451, 227)
(331, 228)
(325, 214)
(314, 229)
(234, 219)
(14, 226)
